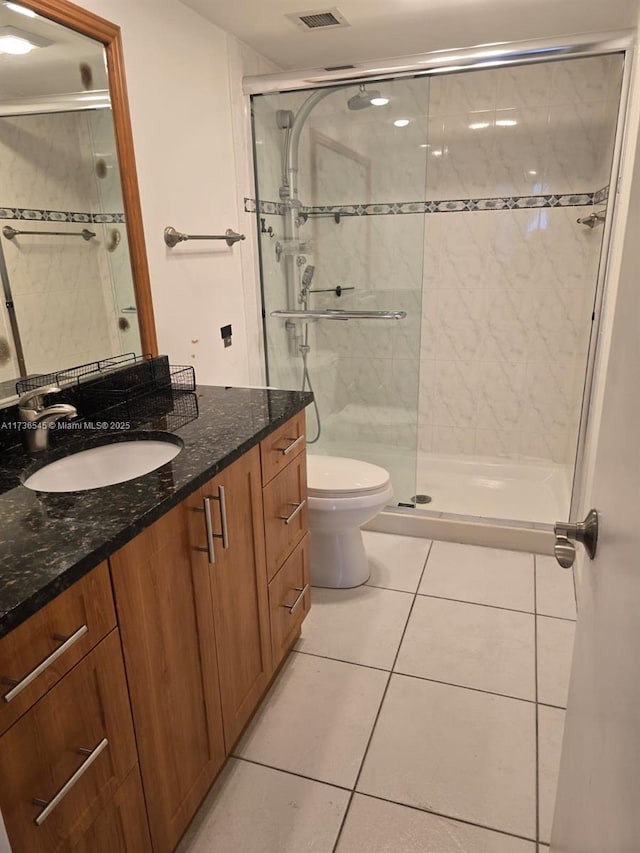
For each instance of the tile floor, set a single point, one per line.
(421, 712)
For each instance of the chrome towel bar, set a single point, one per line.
(10, 233)
(337, 314)
(173, 237)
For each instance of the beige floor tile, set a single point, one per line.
(550, 730)
(375, 826)
(480, 575)
(253, 809)
(555, 648)
(396, 562)
(316, 719)
(470, 645)
(459, 752)
(555, 595)
(362, 625)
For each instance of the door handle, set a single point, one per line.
(566, 534)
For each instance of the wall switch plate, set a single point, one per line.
(225, 334)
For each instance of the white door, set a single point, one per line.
(598, 803)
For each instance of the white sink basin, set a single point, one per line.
(103, 466)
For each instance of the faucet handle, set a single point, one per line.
(34, 399)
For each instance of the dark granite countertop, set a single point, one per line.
(50, 540)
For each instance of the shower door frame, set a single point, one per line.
(500, 55)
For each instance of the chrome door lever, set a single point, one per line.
(583, 531)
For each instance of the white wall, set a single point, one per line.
(192, 175)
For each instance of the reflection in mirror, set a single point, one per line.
(67, 287)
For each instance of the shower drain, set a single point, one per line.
(421, 499)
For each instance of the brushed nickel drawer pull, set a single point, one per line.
(294, 443)
(298, 508)
(299, 599)
(223, 516)
(206, 508)
(208, 523)
(49, 805)
(19, 685)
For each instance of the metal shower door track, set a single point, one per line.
(446, 61)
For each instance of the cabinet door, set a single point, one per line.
(121, 827)
(62, 762)
(163, 601)
(240, 596)
(286, 518)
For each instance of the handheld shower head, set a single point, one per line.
(362, 99)
(307, 277)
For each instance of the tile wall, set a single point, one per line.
(47, 168)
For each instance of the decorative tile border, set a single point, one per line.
(444, 206)
(601, 195)
(58, 215)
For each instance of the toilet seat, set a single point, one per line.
(340, 477)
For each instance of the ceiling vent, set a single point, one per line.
(319, 20)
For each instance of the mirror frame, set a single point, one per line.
(95, 27)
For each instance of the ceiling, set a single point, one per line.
(386, 28)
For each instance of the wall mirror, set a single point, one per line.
(74, 283)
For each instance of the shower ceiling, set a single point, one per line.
(384, 28)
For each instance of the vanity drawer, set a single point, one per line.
(289, 600)
(36, 655)
(283, 445)
(73, 749)
(285, 512)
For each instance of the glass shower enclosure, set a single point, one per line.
(457, 221)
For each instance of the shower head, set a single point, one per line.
(307, 277)
(362, 99)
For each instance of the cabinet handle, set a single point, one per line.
(208, 523)
(17, 686)
(298, 601)
(206, 508)
(49, 805)
(289, 518)
(294, 443)
(223, 516)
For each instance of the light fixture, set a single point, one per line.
(506, 122)
(437, 152)
(379, 101)
(401, 122)
(15, 45)
(22, 10)
(479, 125)
(16, 41)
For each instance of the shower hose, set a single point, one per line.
(306, 381)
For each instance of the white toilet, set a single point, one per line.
(343, 495)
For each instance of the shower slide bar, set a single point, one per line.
(10, 233)
(173, 237)
(338, 314)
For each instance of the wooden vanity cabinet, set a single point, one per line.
(239, 588)
(71, 760)
(179, 646)
(163, 599)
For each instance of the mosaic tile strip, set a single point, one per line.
(442, 206)
(29, 214)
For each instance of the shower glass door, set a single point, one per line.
(345, 232)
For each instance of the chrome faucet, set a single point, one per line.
(32, 411)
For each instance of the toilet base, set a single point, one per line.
(338, 559)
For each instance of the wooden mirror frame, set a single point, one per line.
(88, 24)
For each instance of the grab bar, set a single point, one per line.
(337, 314)
(10, 233)
(173, 237)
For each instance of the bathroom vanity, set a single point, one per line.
(141, 624)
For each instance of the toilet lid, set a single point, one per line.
(334, 475)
